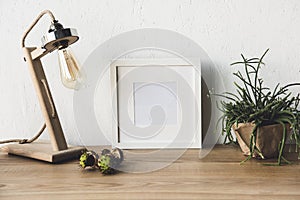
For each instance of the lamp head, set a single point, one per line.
(59, 37)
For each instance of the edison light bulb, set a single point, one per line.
(71, 75)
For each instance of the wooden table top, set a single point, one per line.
(217, 176)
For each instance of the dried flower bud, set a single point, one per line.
(88, 159)
(110, 160)
(105, 152)
(118, 155)
(104, 165)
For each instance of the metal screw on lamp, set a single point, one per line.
(57, 38)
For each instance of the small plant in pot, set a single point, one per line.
(260, 117)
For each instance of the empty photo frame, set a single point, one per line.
(156, 103)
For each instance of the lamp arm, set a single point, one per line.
(37, 53)
(35, 22)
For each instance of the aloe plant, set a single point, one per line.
(253, 102)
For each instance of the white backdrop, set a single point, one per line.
(224, 29)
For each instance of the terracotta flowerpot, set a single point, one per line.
(268, 138)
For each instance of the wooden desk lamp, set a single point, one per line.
(58, 38)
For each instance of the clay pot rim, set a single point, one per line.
(242, 125)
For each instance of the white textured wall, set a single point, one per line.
(223, 29)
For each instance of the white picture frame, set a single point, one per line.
(121, 106)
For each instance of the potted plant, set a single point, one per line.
(260, 117)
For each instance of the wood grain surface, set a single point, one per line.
(217, 176)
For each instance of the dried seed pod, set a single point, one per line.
(105, 164)
(110, 160)
(88, 159)
(105, 152)
(118, 153)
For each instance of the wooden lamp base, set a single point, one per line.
(43, 151)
